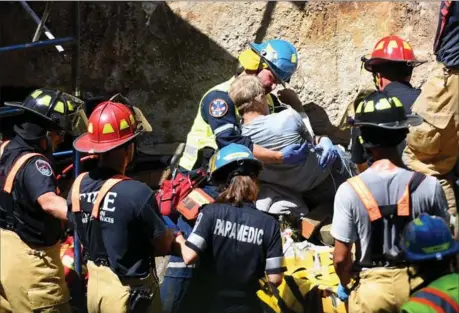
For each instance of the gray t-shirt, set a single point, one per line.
(351, 222)
(277, 131)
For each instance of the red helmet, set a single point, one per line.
(110, 125)
(391, 49)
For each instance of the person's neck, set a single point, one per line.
(113, 164)
(250, 116)
(391, 155)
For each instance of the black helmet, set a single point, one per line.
(381, 110)
(53, 110)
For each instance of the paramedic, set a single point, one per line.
(372, 209)
(217, 121)
(235, 243)
(32, 275)
(117, 218)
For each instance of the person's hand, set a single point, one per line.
(295, 154)
(290, 97)
(327, 151)
(343, 293)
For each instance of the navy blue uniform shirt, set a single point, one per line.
(405, 93)
(129, 219)
(33, 180)
(219, 112)
(446, 46)
(236, 246)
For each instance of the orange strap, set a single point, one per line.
(103, 191)
(444, 296)
(76, 193)
(14, 170)
(366, 197)
(3, 146)
(430, 304)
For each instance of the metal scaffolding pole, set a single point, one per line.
(42, 43)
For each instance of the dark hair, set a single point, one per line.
(393, 71)
(239, 190)
(377, 137)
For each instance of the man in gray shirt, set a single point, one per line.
(372, 209)
(287, 189)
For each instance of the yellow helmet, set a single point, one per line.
(250, 60)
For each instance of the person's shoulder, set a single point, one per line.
(40, 164)
(428, 186)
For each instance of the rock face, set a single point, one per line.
(164, 56)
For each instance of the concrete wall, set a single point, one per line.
(164, 56)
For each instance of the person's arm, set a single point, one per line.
(198, 240)
(290, 97)
(344, 232)
(41, 186)
(357, 151)
(267, 156)
(275, 263)
(439, 205)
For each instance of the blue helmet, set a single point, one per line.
(428, 238)
(281, 57)
(232, 160)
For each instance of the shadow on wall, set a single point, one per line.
(322, 125)
(141, 49)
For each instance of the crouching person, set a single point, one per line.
(235, 243)
(117, 218)
(293, 190)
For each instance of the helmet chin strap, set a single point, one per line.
(377, 81)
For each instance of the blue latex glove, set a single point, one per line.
(328, 152)
(295, 154)
(343, 293)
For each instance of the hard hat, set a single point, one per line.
(232, 160)
(280, 56)
(111, 125)
(52, 109)
(250, 60)
(428, 238)
(381, 110)
(391, 49)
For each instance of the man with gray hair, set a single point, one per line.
(288, 189)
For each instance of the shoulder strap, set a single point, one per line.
(104, 190)
(76, 193)
(404, 204)
(3, 146)
(15, 169)
(366, 197)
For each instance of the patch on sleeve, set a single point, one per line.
(44, 168)
(218, 108)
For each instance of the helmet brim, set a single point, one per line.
(85, 145)
(369, 63)
(414, 257)
(220, 175)
(44, 120)
(257, 47)
(411, 120)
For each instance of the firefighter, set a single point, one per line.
(217, 121)
(235, 243)
(372, 209)
(391, 64)
(427, 242)
(117, 218)
(32, 276)
(433, 147)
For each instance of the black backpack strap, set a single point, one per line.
(415, 181)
